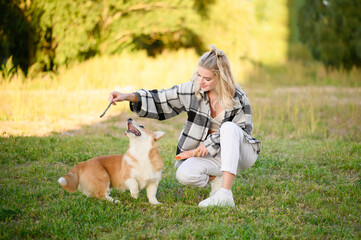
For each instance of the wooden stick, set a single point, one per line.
(106, 109)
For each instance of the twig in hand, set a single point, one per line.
(106, 109)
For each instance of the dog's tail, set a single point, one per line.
(70, 181)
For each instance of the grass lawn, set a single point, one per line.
(306, 184)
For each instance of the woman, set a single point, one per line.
(219, 125)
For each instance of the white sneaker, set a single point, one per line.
(218, 199)
(216, 184)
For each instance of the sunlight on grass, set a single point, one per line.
(318, 112)
(292, 100)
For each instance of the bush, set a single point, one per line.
(331, 30)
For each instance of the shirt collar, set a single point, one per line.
(203, 94)
(237, 99)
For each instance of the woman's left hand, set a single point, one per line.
(201, 150)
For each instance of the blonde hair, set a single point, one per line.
(217, 62)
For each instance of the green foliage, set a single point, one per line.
(67, 31)
(151, 25)
(8, 69)
(331, 30)
(15, 38)
(293, 9)
(202, 7)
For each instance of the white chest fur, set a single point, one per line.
(143, 170)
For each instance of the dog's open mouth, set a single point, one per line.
(132, 129)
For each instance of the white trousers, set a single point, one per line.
(236, 155)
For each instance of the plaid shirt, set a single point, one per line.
(165, 104)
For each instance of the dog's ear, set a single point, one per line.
(158, 135)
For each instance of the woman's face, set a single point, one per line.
(207, 79)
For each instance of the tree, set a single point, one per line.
(331, 29)
(15, 37)
(66, 31)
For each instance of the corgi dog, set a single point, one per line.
(140, 167)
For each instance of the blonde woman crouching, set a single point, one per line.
(219, 125)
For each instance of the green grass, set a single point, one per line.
(298, 188)
(306, 184)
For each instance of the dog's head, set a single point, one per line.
(139, 132)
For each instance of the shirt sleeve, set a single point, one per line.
(163, 104)
(244, 117)
(212, 143)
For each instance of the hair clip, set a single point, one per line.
(213, 48)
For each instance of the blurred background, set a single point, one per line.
(298, 60)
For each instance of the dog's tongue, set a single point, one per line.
(132, 129)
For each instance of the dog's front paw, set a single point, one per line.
(155, 202)
(116, 202)
(134, 195)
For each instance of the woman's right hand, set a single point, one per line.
(116, 97)
(119, 97)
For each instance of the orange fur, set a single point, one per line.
(155, 159)
(72, 180)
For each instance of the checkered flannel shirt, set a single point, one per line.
(165, 104)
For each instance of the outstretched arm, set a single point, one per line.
(164, 103)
